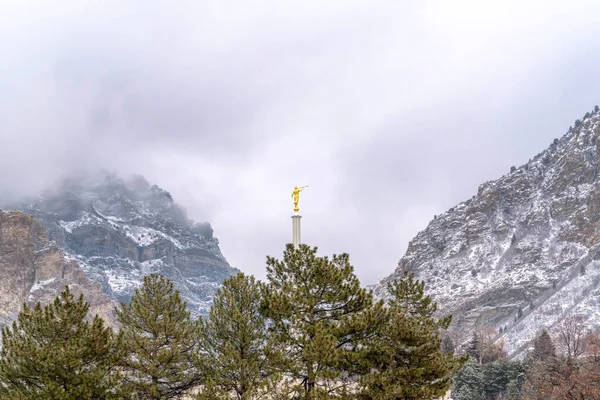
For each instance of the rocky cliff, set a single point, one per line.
(524, 252)
(33, 269)
(120, 230)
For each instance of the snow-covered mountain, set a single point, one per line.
(118, 231)
(524, 252)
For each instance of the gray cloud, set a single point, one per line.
(391, 111)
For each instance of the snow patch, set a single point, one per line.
(144, 236)
(40, 284)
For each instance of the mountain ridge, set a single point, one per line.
(513, 248)
(119, 230)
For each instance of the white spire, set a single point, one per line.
(296, 237)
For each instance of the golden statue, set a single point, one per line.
(296, 196)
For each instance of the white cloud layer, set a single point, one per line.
(392, 111)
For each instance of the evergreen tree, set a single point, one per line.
(55, 352)
(321, 316)
(161, 341)
(243, 359)
(472, 348)
(408, 296)
(407, 360)
(543, 348)
(468, 384)
(498, 374)
(513, 389)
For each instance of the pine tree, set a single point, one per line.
(55, 352)
(473, 347)
(543, 348)
(243, 358)
(161, 341)
(513, 389)
(408, 296)
(320, 315)
(407, 359)
(468, 384)
(498, 374)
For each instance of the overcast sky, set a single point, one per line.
(392, 111)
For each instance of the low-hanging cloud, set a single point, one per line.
(391, 111)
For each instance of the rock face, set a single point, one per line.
(524, 252)
(118, 231)
(33, 269)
